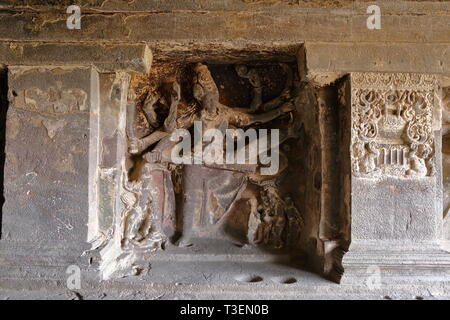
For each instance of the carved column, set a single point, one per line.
(109, 91)
(395, 178)
(107, 128)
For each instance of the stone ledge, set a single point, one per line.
(51, 285)
(321, 57)
(260, 25)
(105, 57)
(383, 57)
(397, 254)
(413, 6)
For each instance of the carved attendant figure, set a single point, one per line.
(417, 164)
(152, 218)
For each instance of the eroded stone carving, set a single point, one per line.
(150, 206)
(392, 125)
(55, 100)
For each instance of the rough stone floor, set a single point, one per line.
(41, 274)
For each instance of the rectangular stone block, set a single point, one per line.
(346, 57)
(105, 58)
(47, 140)
(265, 24)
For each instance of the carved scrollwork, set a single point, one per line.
(392, 125)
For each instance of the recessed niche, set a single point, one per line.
(253, 208)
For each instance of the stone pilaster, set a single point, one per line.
(106, 163)
(109, 91)
(396, 171)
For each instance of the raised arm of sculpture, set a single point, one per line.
(285, 95)
(255, 81)
(243, 119)
(137, 146)
(149, 108)
(172, 94)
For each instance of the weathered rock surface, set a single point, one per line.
(65, 94)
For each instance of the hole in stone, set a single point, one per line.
(387, 298)
(250, 278)
(284, 280)
(419, 298)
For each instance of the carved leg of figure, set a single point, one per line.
(259, 236)
(135, 213)
(294, 224)
(292, 231)
(162, 218)
(169, 209)
(144, 203)
(254, 222)
(163, 206)
(267, 229)
(134, 222)
(277, 232)
(129, 198)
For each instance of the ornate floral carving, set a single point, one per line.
(392, 124)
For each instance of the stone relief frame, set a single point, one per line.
(392, 120)
(112, 108)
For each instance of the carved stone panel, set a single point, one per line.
(392, 131)
(395, 182)
(149, 204)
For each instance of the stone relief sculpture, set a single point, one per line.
(392, 125)
(152, 215)
(154, 208)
